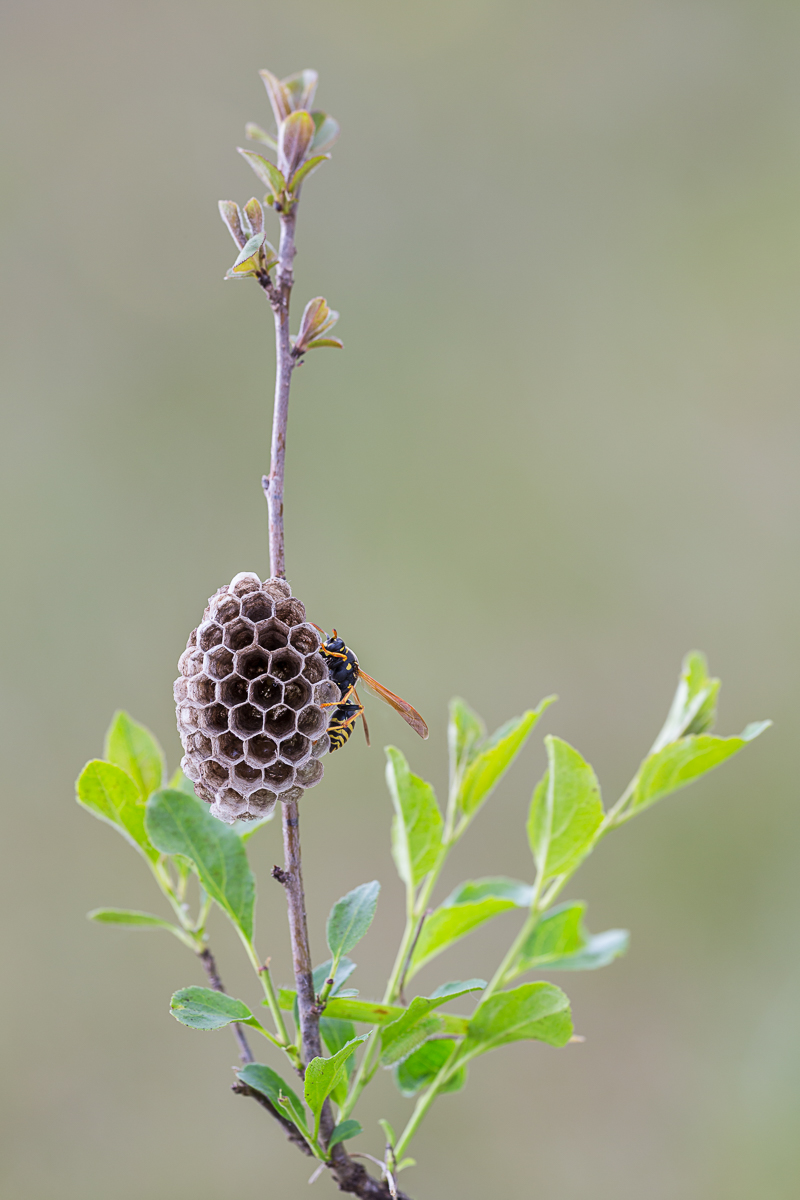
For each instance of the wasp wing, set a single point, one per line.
(409, 714)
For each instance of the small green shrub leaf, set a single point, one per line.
(534, 1010)
(181, 824)
(266, 1081)
(464, 731)
(422, 1067)
(130, 918)
(323, 1074)
(492, 759)
(132, 747)
(308, 168)
(470, 905)
(566, 811)
(249, 251)
(681, 762)
(561, 943)
(336, 1034)
(694, 707)
(266, 171)
(417, 825)
(343, 1132)
(351, 917)
(418, 1022)
(110, 794)
(457, 987)
(202, 1008)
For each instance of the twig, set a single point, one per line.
(246, 1056)
(210, 968)
(349, 1175)
(402, 982)
(279, 297)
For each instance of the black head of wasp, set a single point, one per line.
(345, 672)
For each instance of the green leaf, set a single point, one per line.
(422, 1067)
(401, 1037)
(110, 794)
(323, 1074)
(499, 887)
(321, 343)
(370, 1013)
(417, 825)
(469, 906)
(343, 1132)
(250, 250)
(493, 759)
(133, 748)
(418, 1022)
(181, 824)
(694, 707)
(326, 131)
(388, 1130)
(534, 1010)
(566, 811)
(561, 943)
(266, 171)
(681, 762)
(457, 987)
(351, 917)
(464, 731)
(131, 919)
(202, 1008)
(257, 134)
(266, 1081)
(308, 168)
(336, 1034)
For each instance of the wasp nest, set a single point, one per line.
(249, 699)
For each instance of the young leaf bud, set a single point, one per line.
(317, 320)
(308, 168)
(255, 215)
(257, 134)
(232, 218)
(278, 96)
(301, 88)
(326, 131)
(266, 171)
(295, 135)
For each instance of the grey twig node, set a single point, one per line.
(250, 699)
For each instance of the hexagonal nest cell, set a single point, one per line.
(248, 700)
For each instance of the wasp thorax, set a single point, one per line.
(250, 700)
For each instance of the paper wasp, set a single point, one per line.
(345, 671)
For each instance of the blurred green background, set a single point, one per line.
(559, 449)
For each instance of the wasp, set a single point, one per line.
(344, 670)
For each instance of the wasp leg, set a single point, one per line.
(362, 714)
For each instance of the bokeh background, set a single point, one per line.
(559, 450)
